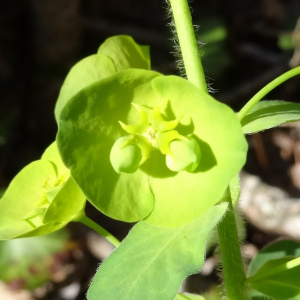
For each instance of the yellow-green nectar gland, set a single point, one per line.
(130, 152)
(35, 217)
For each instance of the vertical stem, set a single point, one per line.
(188, 44)
(233, 268)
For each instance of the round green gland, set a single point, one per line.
(125, 158)
(185, 155)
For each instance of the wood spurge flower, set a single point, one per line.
(128, 153)
(135, 161)
(141, 146)
(42, 204)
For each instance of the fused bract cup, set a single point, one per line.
(89, 127)
(116, 54)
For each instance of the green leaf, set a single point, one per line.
(281, 286)
(275, 271)
(268, 114)
(29, 262)
(276, 250)
(126, 53)
(255, 295)
(89, 127)
(152, 261)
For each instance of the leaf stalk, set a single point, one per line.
(264, 91)
(82, 218)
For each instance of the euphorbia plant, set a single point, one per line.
(153, 149)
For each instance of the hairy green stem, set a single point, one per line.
(188, 44)
(82, 218)
(233, 268)
(264, 91)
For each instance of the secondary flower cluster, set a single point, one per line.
(50, 189)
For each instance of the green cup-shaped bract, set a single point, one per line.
(117, 53)
(186, 155)
(125, 158)
(89, 126)
(42, 198)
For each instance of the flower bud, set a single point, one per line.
(185, 155)
(125, 156)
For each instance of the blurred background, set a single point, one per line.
(247, 43)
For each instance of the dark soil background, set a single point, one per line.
(248, 43)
